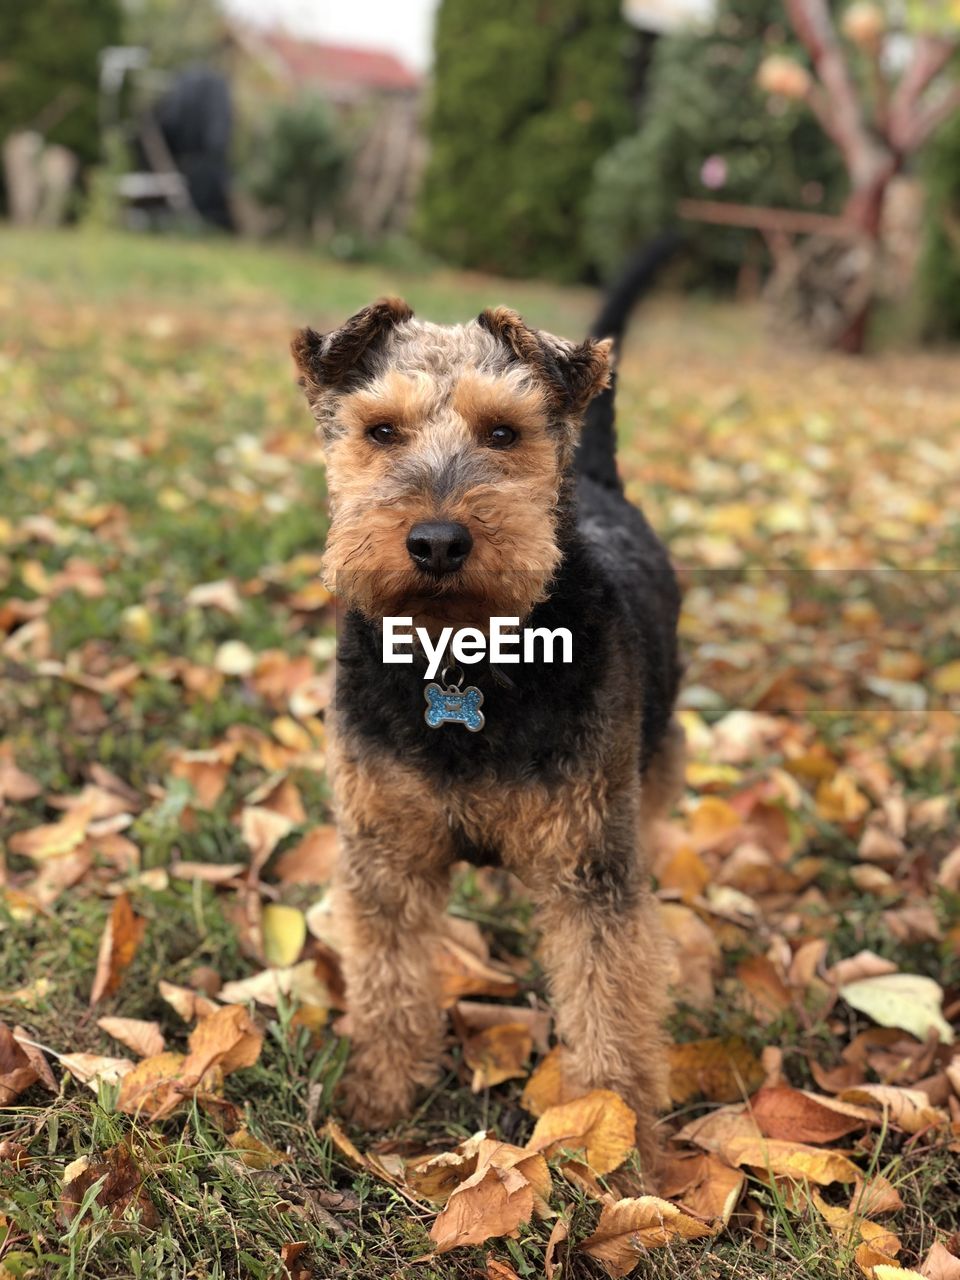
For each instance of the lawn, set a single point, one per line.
(165, 653)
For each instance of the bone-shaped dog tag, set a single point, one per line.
(453, 706)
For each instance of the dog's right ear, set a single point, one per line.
(327, 361)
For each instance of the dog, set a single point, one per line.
(472, 473)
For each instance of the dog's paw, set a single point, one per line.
(371, 1101)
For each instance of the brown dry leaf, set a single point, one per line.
(698, 955)
(208, 872)
(221, 595)
(462, 973)
(122, 936)
(719, 1070)
(206, 771)
(629, 1227)
(877, 1252)
(600, 1124)
(705, 1186)
(123, 1186)
(559, 1234)
(940, 1264)
(793, 1160)
(15, 785)
(909, 1109)
(497, 1053)
(547, 1087)
(254, 1153)
(767, 994)
(189, 1004)
(874, 1197)
(685, 872)
(494, 1202)
(144, 1038)
(838, 800)
(17, 1072)
(228, 1039)
(435, 1177)
(37, 1060)
(155, 1085)
(715, 1130)
(262, 830)
(280, 796)
(793, 1114)
(56, 838)
(477, 1015)
(865, 964)
(312, 860)
(497, 1270)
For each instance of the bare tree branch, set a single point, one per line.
(931, 54)
(929, 118)
(812, 22)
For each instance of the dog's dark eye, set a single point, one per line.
(501, 436)
(383, 433)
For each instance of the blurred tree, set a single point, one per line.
(49, 69)
(297, 162)
(940, 263)
(527, 95)
(707, 130)
(176, 32)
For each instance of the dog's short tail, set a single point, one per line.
(597, 452)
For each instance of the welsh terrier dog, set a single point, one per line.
(472, 475)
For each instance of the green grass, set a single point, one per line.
(152, 429)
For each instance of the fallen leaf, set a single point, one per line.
(93, 1069)
(189, 1004)
(909, 1109)
(497, 1053)
(793, 1160)
(940, 1264)
(262, 830)
(297, 982)
(507, 1186)
(558, 1236)
(715, 1069)
(477, 1015)
(153, 1085)
(547, 1086)
(221, 595)
(144, 1038)
(311, 860)
(462, 973)
(793, 1114)
(122, 1190)
(629, 1227)
(600, 1124)
(54, 839)
(905, 1000)
(17, 1072)
(284, 933)
(228, 1039)
(121, 937)
(254, 1153)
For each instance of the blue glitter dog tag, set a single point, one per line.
(453, 706)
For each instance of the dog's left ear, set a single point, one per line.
(574, 373)
(328, 360)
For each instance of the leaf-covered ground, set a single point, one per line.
(164, 831)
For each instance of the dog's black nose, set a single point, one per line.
(439, 546)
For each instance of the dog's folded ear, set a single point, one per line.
(328, 360)
(573, 373)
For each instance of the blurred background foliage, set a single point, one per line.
(707, 129)
(551, 139)
(526, 99)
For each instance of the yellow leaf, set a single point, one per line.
(794, 1160)
(228, 1039)
(547, 1087)
(284, 933)
(254, 1153)
(498, 1053)
(719, 1070)
(629, 1227)
(946, 679)
(600, 1124)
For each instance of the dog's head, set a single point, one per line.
(447, 449)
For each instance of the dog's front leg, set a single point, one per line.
(606, 959)
(392, 912)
